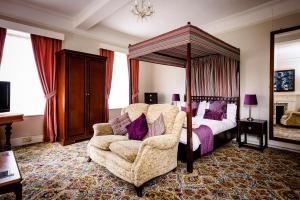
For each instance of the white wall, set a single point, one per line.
(163, 79)
(254, 43)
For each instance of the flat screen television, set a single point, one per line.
(4, 96)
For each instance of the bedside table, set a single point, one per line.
(256, 127)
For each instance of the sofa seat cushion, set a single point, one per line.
(126, 149)
(103, 142)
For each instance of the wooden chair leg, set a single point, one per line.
(89, 159)
(139, 191)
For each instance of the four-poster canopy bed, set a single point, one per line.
(179, 48)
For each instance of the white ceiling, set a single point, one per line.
(112, 18)
(170, 14)
(69, 8)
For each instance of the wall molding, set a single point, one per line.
(20, 141)
(31, 29)
(268, 11)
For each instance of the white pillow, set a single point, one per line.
(231, 111)
(201, 108)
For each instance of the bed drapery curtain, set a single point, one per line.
(2, 40)
(215, 76)
(44, 50)
(134, 80)
(108, 77)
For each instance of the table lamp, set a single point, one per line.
(250, 100)
(175, 98)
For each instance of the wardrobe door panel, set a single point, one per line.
(76, 96)
(96, 92)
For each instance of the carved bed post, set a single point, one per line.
(130, 81)
(189, 110)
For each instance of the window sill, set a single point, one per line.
(34, 115)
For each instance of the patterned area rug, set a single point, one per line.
(51, 171)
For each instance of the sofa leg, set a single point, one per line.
(89, 159)
(139, 191)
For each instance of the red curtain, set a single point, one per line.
(109, 70)
(2, 40)
(44, 50)
(134, 80)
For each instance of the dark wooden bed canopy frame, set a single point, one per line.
(178, 48)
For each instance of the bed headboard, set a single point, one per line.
(235, 100)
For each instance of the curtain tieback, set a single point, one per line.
(50, 94)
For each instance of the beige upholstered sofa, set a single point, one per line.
(139, 161)
(291, 119)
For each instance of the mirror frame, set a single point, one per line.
(271, 94)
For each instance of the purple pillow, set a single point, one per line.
(220, 106)
(119, 124)
(138, 128)
(194, 110)
(214, 115)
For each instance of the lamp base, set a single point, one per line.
(250, 119)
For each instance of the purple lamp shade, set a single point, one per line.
(250, 99)
(175, 97)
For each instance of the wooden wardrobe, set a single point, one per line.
(80, 94)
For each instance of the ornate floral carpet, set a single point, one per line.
(51, 171)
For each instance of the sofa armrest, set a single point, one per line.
(102, 129)
(161, 142)
(157, 155)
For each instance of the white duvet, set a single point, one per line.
(215, 125)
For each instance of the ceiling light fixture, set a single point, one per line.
(142, 8)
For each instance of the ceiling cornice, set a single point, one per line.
(268, 11)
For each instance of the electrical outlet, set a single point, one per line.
(26, 139)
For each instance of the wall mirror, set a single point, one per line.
(285, 85)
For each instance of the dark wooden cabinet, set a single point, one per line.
(151, 98)
(80, 94)
(256, 127)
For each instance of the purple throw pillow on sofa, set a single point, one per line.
(214, 115)
(119, 124)
(220, 106)
(138, 128)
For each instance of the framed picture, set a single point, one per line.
(284, 80)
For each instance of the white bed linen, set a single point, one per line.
(215, 125)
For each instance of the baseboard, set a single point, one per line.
(271, 144)
(25, 140)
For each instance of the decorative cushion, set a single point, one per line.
(126, 149)
(201, 108)
(157, 127)
(138, 129)
(231, 111)
(119, 124)
(168, 111)
(214, 115)
(219, 106)
(103, 142)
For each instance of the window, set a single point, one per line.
(18, 66)
(119, 92)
